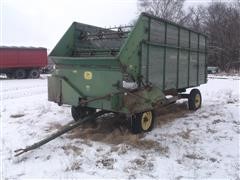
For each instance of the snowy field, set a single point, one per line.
(201, 144)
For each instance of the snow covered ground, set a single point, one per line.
(201, 144)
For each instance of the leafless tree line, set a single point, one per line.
(219, 20)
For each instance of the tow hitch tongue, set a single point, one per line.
(68, 127)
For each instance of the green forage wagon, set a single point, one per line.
(130, 70)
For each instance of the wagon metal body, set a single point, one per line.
(127, 70)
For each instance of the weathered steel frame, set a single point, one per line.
(148, 49)
(164, 55)
(206, 54)
(173, 47)
(189, 56)
(178, 54)
(198, 61)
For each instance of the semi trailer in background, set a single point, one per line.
(22, 62)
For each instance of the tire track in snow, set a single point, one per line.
(26, 93)
(13, 89)
(22, 88)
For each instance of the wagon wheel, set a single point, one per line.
(9, 75)
(194, 99)
(79, 112)
(142, 122)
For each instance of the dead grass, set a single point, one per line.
(170, 113)
(115, 130)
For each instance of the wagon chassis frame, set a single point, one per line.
(72, 125)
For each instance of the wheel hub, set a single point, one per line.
(197, 100)
(146, 120)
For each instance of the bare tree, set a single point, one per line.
(221, 21)
(223, 27)
(196, 17)
(168, 9)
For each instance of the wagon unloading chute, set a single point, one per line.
(128, 70)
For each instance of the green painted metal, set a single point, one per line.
(164, 58)
(93, 63)
(178, 54)
(189, 58)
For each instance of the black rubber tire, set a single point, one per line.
(34, 74)
(194, 100)
(136, 123)
(9, 75)
(20, 74)
(79, 112)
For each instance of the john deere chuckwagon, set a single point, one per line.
(128, 70)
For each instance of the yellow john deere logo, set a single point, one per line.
(87, 75)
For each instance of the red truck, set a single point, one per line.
(22, 62)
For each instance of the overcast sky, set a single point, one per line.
(43, 22)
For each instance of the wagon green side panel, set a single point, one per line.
(182, 64)
(152, 64)
(194, 41)
(172, 35)
(184, 38)
(54, 89)
(193, 69)
(143, 62)
(171, 69)
(69, 94)
(183, 69)
(202, 67)
(130, 52)
(157, 31)
(85, 78)
(99, 83)
(156, 64)
(202, 60)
